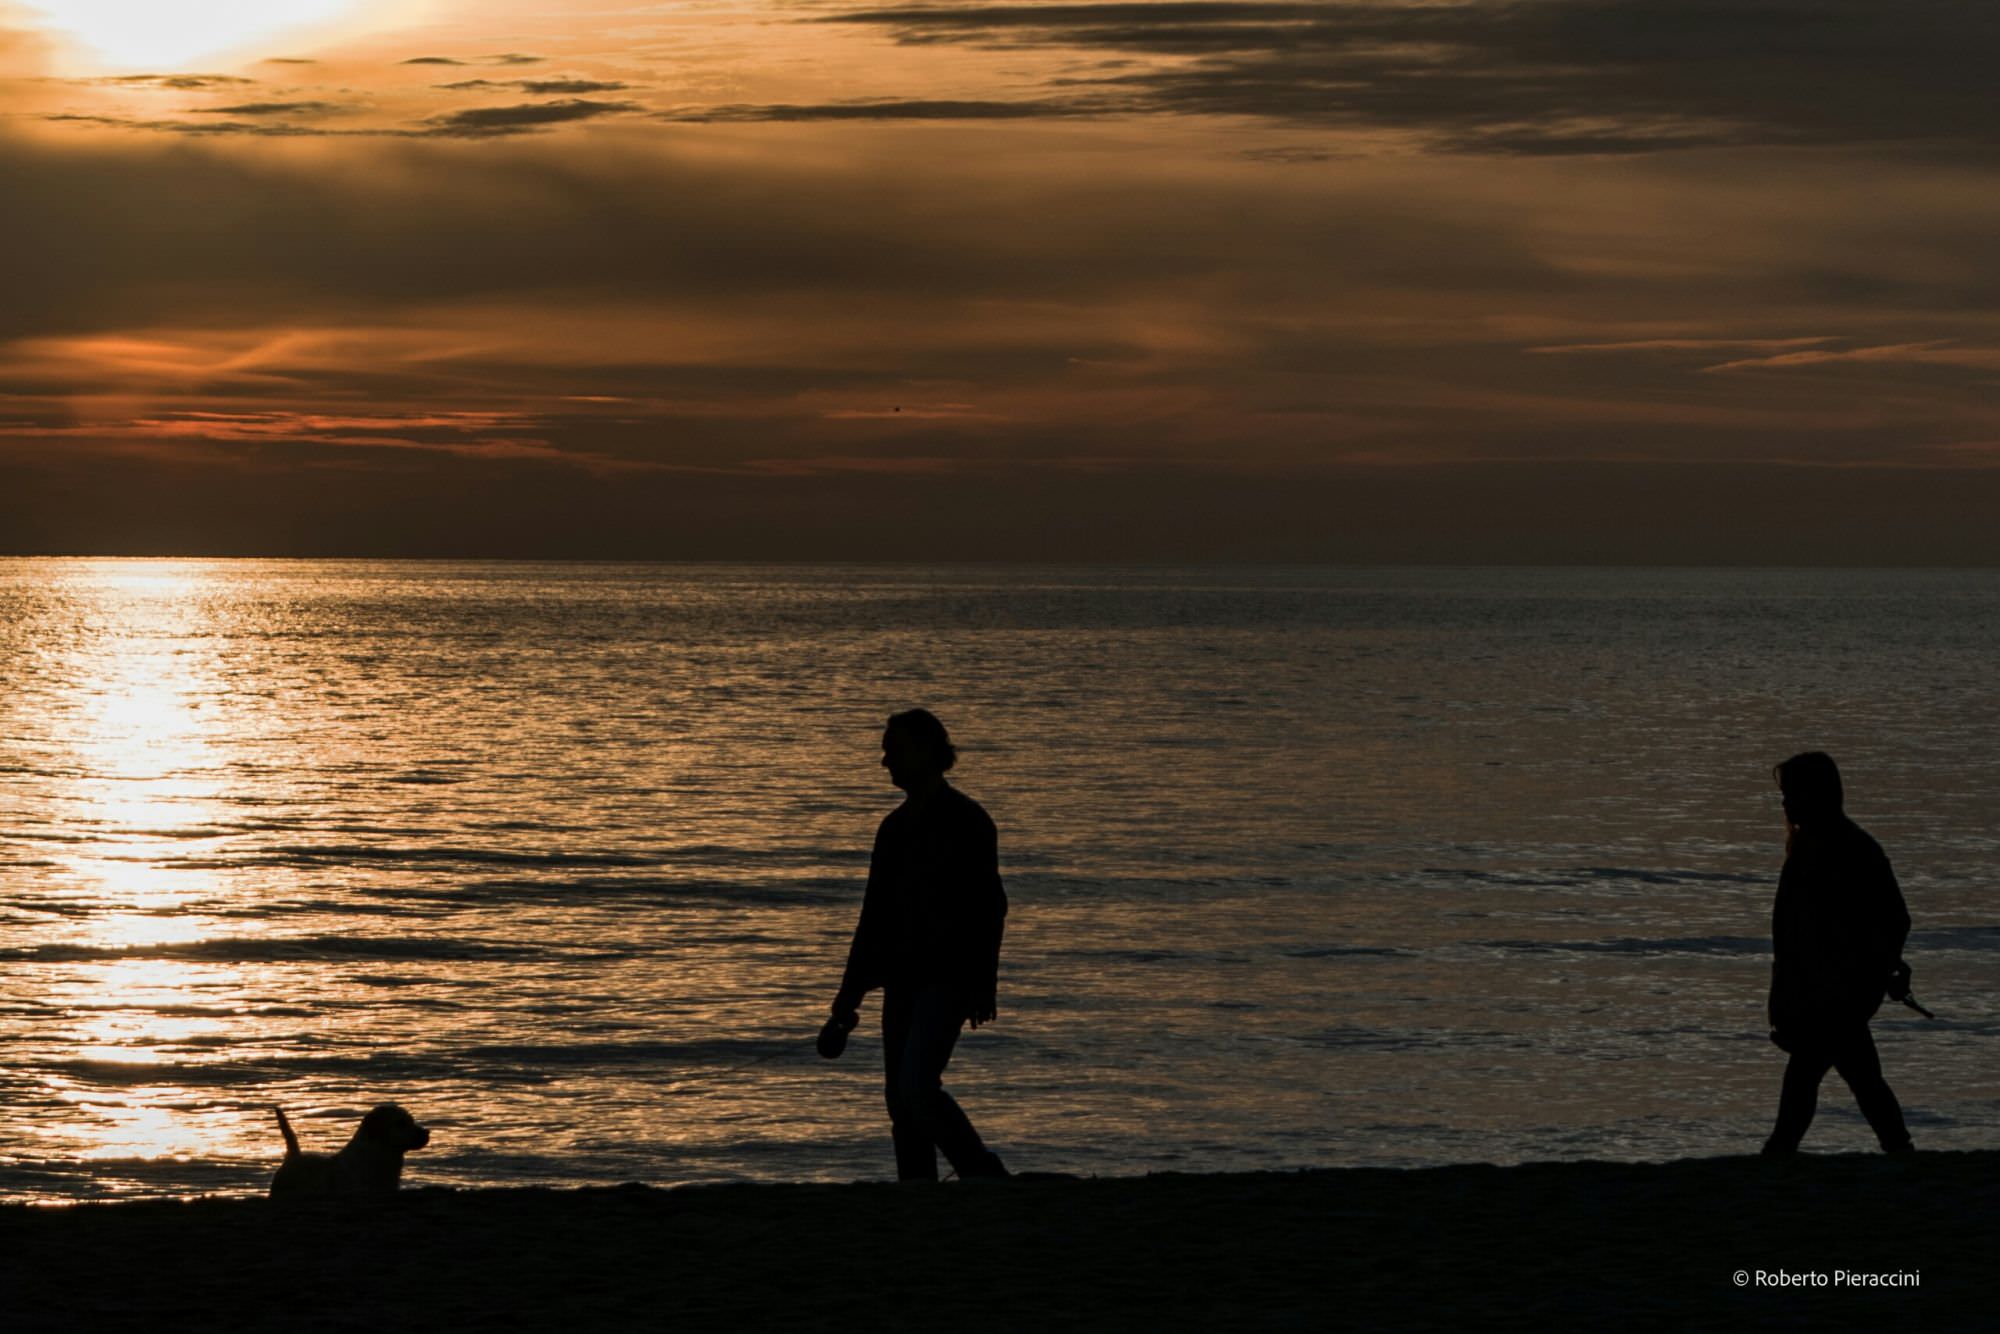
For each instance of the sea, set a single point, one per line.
(1309, 867)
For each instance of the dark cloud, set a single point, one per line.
(912, 109)
(521, 119)
(540, 87)
(515, 58)
(430, 60)
(179, 82)
(1557, 76)
(196, 128)
(545, 87)
(127, 235)
(274, 109)
(288, 60)
(1293, 154)
(478, 123)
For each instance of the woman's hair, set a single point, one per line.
(923, 725)
(1811, 784)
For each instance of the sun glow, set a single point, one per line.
(139, 734)
(166, 35)
(135, 1124)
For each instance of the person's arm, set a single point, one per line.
(989, 918)
(864, 969)
(1777, 1002)
(1892, 916)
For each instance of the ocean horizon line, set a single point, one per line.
(1010, 562)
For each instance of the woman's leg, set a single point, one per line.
(1799, 1098)
(1861, 1067)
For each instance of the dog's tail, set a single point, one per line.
(285, 1128)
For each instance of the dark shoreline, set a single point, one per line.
(1549, 1245)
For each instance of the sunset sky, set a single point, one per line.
(1617, 280)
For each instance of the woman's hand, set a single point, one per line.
(832, 1040)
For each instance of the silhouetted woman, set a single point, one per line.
(1837, 932)
(929, 937)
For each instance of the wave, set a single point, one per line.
(417, 904)
(1352, 1036)
(699, 854)
(279, 949)
(1131, 955)
(1344, 951)
(320, 854)
(505, 1064)
(1581, 875)
(702, 1052)
(384, 1070)
(67, 1182)
(175, 1074)
(165, 1011)
(1955, 938)
(124, 835)
(1635, 945)
(1656, 877)
(677, 892)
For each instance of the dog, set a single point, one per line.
(371, 1164)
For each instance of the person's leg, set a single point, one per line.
(916, 1156)
(937, 1020)
(1861, 1067)
(1799, 1098)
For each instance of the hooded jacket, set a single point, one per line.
(1837, 931)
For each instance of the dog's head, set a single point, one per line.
(393, 1128)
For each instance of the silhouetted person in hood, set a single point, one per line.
(929, 937)
(1837, 932)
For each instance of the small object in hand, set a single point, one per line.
(833, 1035)
(1898, 989)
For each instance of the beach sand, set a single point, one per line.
(1556, 1246)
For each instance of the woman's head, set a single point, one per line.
(1810, 783)
(916, 748)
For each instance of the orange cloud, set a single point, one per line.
(1937, 353)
